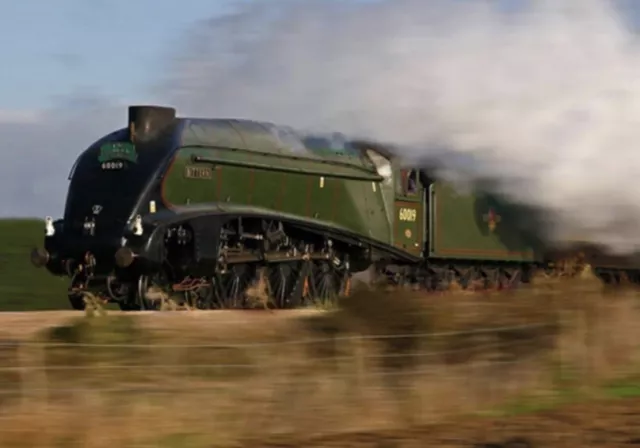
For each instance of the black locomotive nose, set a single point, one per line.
(39, 257)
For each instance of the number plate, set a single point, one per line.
(114, 165)
(408, 214)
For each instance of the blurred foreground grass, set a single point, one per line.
(382, 360)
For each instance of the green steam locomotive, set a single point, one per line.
(205, 208)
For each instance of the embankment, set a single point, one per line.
(384, 361)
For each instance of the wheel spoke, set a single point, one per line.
(326, 283)
(151, 291)
(284, 281)
(231, 287)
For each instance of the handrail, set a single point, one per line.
(355, 176)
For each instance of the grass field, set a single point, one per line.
(393, 369)
(22, 286)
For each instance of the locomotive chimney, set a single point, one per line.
(146, 122)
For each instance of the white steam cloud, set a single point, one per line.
(545, 100)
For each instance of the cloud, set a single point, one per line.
(9, 116)
(38, 152)
(545, 100)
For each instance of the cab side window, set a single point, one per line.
(412, 183)
(408, 183)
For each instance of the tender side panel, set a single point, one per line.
(354, 204)
(467, 226)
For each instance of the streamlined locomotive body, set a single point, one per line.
(208, 207)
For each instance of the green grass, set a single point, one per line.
(621, 389)
(22, 286)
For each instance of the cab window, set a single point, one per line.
(408, 183)
(412, 183)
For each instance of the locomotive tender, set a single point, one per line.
(205, 207)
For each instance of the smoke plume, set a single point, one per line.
(543, 99)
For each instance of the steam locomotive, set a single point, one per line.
(205, 208)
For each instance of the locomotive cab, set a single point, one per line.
(410, 211)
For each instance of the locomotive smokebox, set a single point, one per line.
(147, 122)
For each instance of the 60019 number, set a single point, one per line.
(114, 165)
(407, 214)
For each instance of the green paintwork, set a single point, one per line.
(266, 140)
(242, 163)
(249, 165)
(408, 221)
(258, 164)
(461, 227)
(118, 151)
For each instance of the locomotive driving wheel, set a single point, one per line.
(121, 293)
(326, 283)
(230, 288)
(76, 290)
(283, 284)
(151, 291)
(201, 297)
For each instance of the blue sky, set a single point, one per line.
(69, 67)
(56, 47)
(107, 47)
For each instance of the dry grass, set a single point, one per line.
(256, 378)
